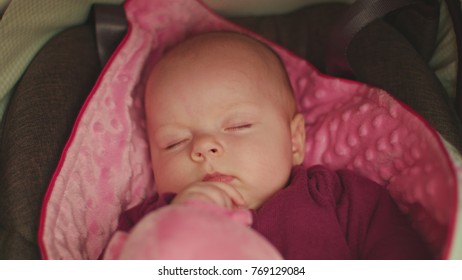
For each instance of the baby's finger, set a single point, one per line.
(236, 197)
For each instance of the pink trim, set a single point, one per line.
(452, 225)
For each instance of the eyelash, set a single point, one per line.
(239, 127)
(171, 146)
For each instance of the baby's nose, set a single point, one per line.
(206, 147)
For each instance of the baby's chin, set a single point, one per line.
(255, 203)
(162, 189)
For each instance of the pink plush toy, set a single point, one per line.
(195, 230)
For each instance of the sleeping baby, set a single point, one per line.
(224, 130)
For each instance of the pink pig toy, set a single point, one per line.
(194, 230)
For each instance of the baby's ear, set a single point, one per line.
(297, 128)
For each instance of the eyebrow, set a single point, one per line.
(243, 106)
(164, 127)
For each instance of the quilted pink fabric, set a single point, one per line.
(105, 167)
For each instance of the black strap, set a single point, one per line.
(110, 28)
(456, 16)
(356, 17)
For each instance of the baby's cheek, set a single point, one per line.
(275, 169)
(164, 176)
(173, 176)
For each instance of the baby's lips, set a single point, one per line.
(217, 177)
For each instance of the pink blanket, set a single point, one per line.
(105, 167)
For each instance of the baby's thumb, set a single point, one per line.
(241, 215)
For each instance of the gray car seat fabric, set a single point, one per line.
(26, 26)
(36, 126)
(40, 117)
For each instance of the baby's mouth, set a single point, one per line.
(217, 177)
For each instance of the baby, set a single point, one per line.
(223, 128)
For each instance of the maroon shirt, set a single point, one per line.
(323, 214)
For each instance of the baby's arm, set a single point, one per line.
(376, 226)
(391, 236)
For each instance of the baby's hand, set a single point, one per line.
(218, 193)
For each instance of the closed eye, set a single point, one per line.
(239, 127)
(175, 144)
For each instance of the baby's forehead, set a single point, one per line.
(224, 56)
(220, 45)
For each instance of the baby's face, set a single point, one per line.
(214, 121)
